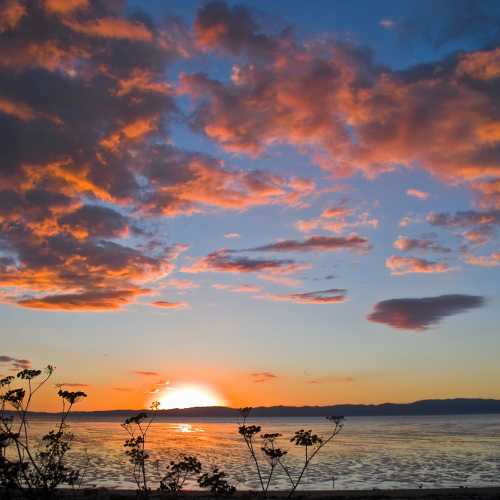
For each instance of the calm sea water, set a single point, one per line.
(381, 452)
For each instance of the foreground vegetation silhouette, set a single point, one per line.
(33, 469)
(311, 444)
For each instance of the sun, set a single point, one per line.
(189, 396)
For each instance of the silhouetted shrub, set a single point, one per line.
(178, 473)
(35, 472)
(216, 483)
(137, 428)
(312, 444)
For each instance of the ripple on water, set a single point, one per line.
(389, 452)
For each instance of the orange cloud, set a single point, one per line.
(11, 12)
(337, 219)
(99, 300)
(409, 265)
(492, 260)
(112, 28)
(333, 100)
(488, 193)
(65, 6)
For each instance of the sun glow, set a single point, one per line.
(189, 396)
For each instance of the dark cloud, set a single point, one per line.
(261, 377)
(223, 262)
(316, 243)
(478, 227)
(15, 363)
(330, 296)
(233, 29)
(146, 373)
(420, 314)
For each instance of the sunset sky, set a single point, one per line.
(280, 202)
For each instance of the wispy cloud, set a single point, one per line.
(262, 377)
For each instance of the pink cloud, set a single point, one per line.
(416, 193)
(409, 265)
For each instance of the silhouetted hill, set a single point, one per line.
(424, 407)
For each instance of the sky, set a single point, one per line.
(251, 203)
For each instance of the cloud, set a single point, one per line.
(330, 296)
(409, 265)
(221, 261)
(492, 260)
(421, 313)
(487, 193)
(231, 29)
(261, 377)
(243, 288)
(416, 193)
(89, 165)
(181, 284)
(170, 305)
(146, 373)
(98, 300)
(387, 23)
(478, 227)
(316, 244)
(420, 244)
(232, 236)
(336, 219)
(122, 389)
(16, 363)
(332, 99)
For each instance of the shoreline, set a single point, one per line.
(465, 493)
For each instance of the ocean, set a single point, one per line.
(370, 452)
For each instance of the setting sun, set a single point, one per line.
(189, 396)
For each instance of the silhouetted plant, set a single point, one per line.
(35, 473)
(312, 444)
(248, 432)
(178, 473)
(215, 482)
(137, 428)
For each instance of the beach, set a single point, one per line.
(396, 494)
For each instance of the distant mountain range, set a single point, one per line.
(425, 407)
